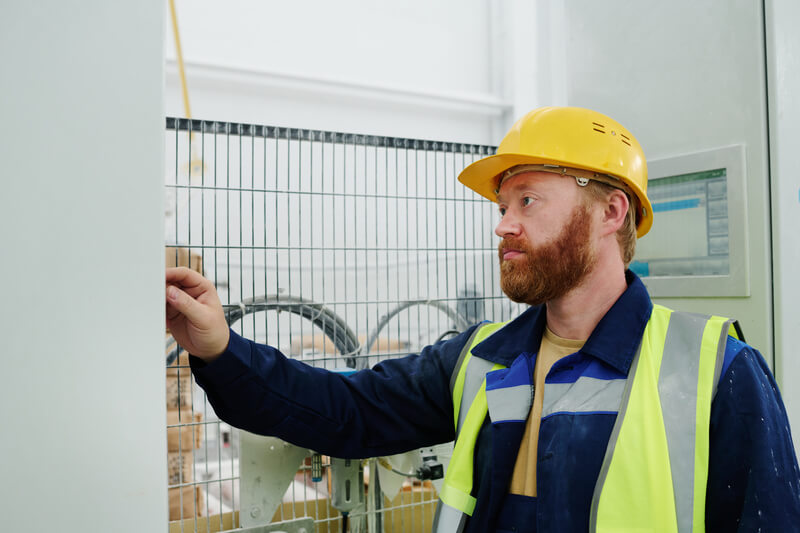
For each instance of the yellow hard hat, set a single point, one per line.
(574, 138)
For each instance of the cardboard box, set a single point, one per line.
(412, 510)
(206, 524)
(180, 467)
(415, 516)
(319, 509)
(186, 502)
(179, 392)
(183, 257)
(186, 437)
(321, 344)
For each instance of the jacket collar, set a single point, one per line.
(614, 340)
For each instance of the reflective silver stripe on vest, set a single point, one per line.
(448, 520)
(510, 404)
(464, 351)
(723, 343)
(586, 395)
(473, 378)
(677, 386)
(677, 389)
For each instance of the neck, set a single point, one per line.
(575, 315)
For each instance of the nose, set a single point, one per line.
(508, 226)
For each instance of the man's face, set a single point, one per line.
(546, 247)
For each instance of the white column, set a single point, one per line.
(535, 72)
(82, 401)
(783, 69)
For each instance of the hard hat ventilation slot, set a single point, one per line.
(598, 127)
(625, 139)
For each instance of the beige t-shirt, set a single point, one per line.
(553, 348)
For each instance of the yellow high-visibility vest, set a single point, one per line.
(655, 470)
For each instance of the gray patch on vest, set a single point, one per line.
(510, 403)
(586, 395)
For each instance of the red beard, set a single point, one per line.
(551, 270)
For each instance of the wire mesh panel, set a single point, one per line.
(340, 250)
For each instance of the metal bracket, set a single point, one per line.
(301, 525)
(267, 466)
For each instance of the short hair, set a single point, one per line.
(626, 234)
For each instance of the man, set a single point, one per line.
(593, 410)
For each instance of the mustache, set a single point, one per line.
(512, 243)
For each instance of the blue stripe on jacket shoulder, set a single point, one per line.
(519, 373)
(509, 391)
(572, 367)
(732, 349)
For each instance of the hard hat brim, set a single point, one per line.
(482, 177)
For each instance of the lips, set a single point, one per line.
(511, 253)
(511, 248)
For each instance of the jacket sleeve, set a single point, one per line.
(396, 406)
(753, 479)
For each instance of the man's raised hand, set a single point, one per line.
(194, 314)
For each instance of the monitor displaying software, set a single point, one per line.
(690, 237)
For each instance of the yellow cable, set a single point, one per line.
(179, 53)
(196, 163)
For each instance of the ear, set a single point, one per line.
(615, 209)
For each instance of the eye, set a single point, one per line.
(502, 211)
(526, 201)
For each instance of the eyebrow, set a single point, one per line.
(514, 189)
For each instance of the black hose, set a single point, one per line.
(449, 332)
(460, 322)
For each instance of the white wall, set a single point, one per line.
(783, 48)
(534, 66)
(82, 402)
(414, 69)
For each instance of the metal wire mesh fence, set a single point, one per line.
(339, 249)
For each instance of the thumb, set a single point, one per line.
(185, 305)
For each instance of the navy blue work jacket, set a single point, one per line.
(405, 403)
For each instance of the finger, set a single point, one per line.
(192, 283)
(185, 305)
(176, 328)
(172, 312)
(185, 277)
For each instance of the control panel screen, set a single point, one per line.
(690, 233)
